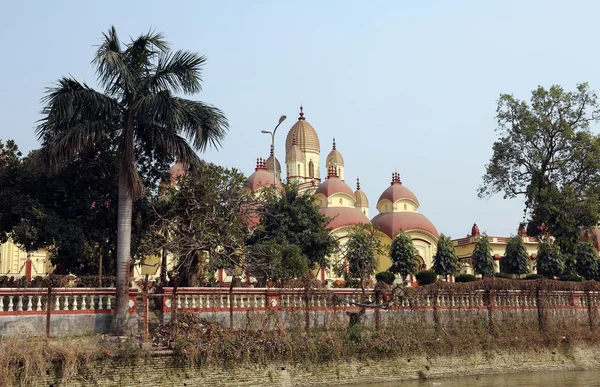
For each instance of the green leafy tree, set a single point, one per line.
(137, 107)
(516, 259)
(550, 262)
(445, 261)
(546, 154)
(292, 218)
(361, 251)
(587, 260)
(404, 256)
(483, 262)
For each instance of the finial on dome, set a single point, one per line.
(396, 178)
(475, 230)
(357, 184)
(301, 113)
(333, 144)
(272, 151)
(257, 164)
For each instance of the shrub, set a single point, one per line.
(570, 278)
(355, 333)
(385, 276)
(534, 276)
(503, 275)
(464, 277)
(426, 277)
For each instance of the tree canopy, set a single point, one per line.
(549, 261)
(516, 259)
(546, 154)
(445, 261)
(291, 218)
(483, 262)
(587, 260)
(404, 256)
(361, 250)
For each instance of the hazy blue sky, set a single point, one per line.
(400, 84)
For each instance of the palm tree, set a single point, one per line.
(138, 108)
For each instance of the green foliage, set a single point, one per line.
(516, 259)
(549, 262)
(587, 260)
(503, 275)
(464, 277)
(355, 333)
(445, 261)
(404, 256)
(292, 218)
(362, 248)
(274, 261)
(386, 277)
(483, 262)
(546, 153)
(426, 277)
(534, 276)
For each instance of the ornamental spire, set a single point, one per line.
(357, 184)
(396, 178)
(301, 113)
(333, 144)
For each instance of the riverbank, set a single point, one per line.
(165, 369)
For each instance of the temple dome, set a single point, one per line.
(335, 157)
(392, 222)
(305, 136)
(261, 178)
(361, 197)
(269, 163)
(294, 154)
(333, 185)
(343, 216)
(396, 191)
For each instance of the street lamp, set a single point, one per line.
(281, 119)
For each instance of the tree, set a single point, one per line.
(549, 261)
(361, 250)
(516, 259)
(483, 262)
(587, 260)
(292, 218)
(138, 106)
(445, 261)
(546, 153)
(203, 221)
(404, 256)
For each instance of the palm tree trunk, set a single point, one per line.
(125, 208)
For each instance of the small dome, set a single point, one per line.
(333, 185)
(361, 197)
(396, 191)
(294, 154)
(305, 135)
(335, 157)
(269, 163)
(177, 170)
(392, 222)
(261, 177)
(343, 216)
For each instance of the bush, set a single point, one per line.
(464, 277)
(534, 277)
(385, 276)
(503, 275)
(355, 333)
(426, 277)
(570, 278)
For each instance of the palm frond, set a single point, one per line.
(111, 70)
(180, 71)
(165, 141)
(202, 124)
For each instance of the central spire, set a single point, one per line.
(333, 144)
(301, 113)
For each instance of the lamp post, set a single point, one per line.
(281, 119)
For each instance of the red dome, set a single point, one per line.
(343, 216)
(333, 185)
(593, 235)
(392, 222)
(260, 179)
(397, 191)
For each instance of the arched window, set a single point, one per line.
(405, 207)
(311, 169)
(298, 171)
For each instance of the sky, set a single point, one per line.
(406, 85)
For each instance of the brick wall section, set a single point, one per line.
(163, 370)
